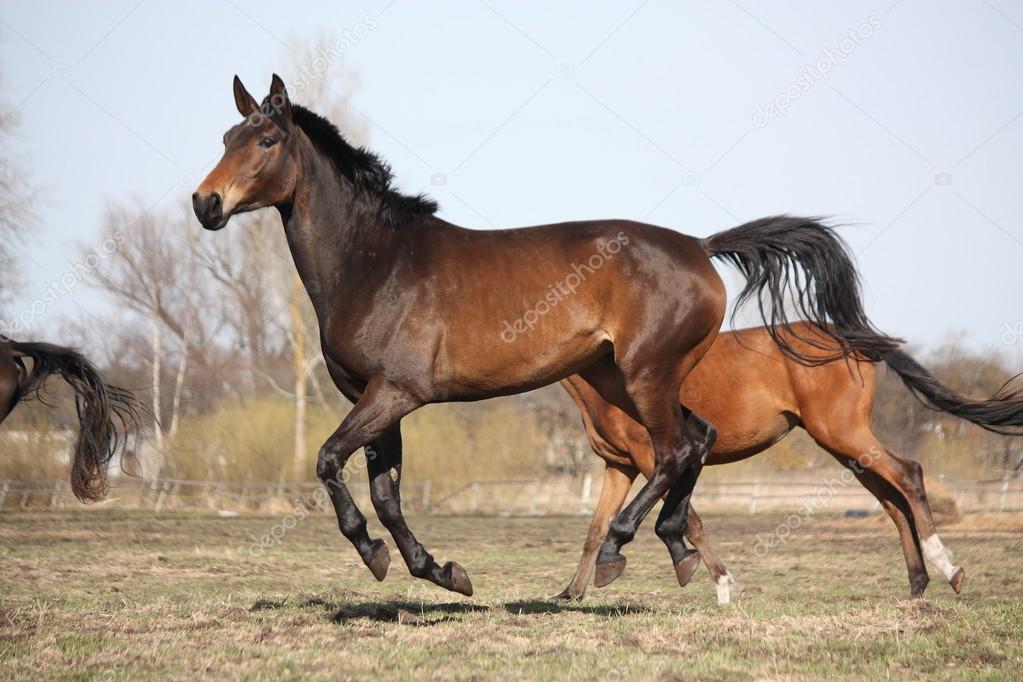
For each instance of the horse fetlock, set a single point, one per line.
(940, 557)
(723, 586)
(917, 585)
(422, 566)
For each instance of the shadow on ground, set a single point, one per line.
(419, 614)
(540, 606)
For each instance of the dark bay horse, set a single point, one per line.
(106, 413)
(414, 310)
(755, 395)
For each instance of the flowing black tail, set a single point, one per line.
(802, 261)
(1001, 413)
(106, 413)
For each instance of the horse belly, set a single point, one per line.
(488, 370)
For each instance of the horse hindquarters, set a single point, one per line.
(10, 381)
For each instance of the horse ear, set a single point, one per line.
(279, 102)
(245, 102)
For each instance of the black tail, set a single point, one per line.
(106, 413)
(803, 260)
(1001, 413)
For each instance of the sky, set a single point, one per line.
(901, 119)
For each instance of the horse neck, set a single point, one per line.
(335, 233)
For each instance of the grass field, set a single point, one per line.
(108, 593)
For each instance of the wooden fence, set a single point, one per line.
(503, 497)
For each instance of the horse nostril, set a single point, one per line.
(208, 206)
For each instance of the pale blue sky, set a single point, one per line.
(536, 112)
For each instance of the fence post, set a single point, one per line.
(754, 493)
(1005, 493)
(55, 494)
(537, 489)
(3, 493)
(426, 495)
(474, 496)
(584, 495)
(164, 489)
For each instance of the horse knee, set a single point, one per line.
(329, 464)
(326, 467)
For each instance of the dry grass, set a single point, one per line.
(107, 593)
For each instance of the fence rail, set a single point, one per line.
(523, 497)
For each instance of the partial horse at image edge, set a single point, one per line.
(106, 413)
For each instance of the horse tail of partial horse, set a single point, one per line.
(106, 413)
(802, 262)
(1001, 413)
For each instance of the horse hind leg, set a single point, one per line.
(10, 380)
(907, 478)
(672, 523)
(719, 574)
(897, 508)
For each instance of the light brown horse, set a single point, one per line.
(106, 413)
(755, 395)
(414, 310)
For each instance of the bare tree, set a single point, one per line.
(153, 273)
(15, 203)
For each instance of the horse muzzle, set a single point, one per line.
(209, 209)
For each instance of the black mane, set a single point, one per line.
(364, 169)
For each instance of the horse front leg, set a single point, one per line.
(383, 457)
(380, 407)
(617, 483)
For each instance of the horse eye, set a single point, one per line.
(267, 142)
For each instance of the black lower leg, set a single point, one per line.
(673, 519)
(351, 521)
(671, 522)
(383, 457)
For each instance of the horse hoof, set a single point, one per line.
(457, 579)
(957, 580)
(684, 568)
(567, 595)
(380, 561)
(606, 573)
